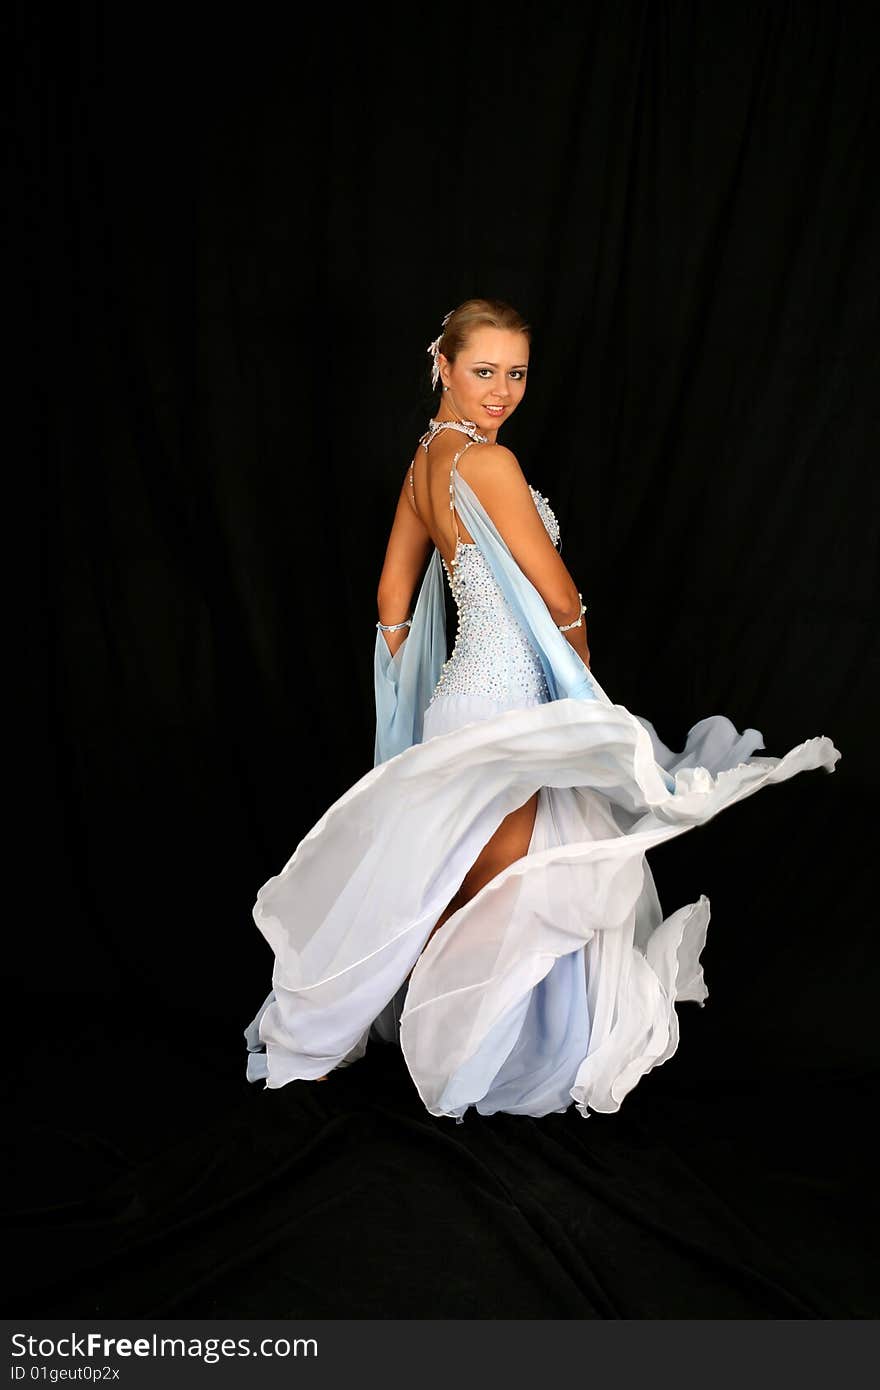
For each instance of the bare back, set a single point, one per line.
(429, 493)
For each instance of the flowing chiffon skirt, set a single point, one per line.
(557, 983)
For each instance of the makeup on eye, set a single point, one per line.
(521, 371)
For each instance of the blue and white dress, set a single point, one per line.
(557, 983)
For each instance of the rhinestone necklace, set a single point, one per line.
(468, 427)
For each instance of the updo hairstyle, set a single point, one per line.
(478, 313)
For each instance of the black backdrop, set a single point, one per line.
(241, 232)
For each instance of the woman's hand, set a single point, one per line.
(577, 636)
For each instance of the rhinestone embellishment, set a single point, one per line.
(492, 655)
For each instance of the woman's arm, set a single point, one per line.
(498, 481)
(405, 555)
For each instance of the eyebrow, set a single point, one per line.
(517, 368)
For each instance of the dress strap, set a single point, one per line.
(461, 451)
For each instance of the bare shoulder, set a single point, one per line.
(500, 486)
(494, 468)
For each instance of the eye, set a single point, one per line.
(516, 372)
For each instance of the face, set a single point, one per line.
(487, 380)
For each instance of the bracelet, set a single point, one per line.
(578, 622)
(393, 627)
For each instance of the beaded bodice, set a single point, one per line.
(492, 655)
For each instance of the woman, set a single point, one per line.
(482, 895)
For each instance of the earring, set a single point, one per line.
(445, 388)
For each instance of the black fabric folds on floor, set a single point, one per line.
(149, 1179)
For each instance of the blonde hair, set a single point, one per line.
(478, 313)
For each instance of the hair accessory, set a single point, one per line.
(434, 348)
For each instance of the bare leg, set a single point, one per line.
(509, 843)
